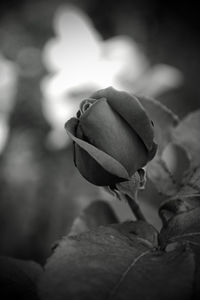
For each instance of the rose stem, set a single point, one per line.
(135, 208)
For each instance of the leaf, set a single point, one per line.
(168, 171)
(144, 231)
(182, 227)
(172, 207)
(161, 170)
(96, 214)
(160, 175)
(176, 160)
(177, 173)
(191, 183)
(185, 228)
(187, 134)
(18, 278)
(114, 263)
(163, 118)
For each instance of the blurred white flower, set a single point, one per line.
(80, 62)
(8, 81)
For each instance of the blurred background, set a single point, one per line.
(53, 54)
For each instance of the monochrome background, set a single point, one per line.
(53, 54)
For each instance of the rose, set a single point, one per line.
(113, 137)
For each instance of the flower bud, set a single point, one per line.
(113, 137)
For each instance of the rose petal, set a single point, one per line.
(107, 162)
(131, 110)
(91, 170)
(106, 130)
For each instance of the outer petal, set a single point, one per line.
(108, 163)
(91, 170)
(109, 132)
(130, 109)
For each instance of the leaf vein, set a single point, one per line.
(184, 235)
(116, 287)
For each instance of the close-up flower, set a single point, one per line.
(99, 150)
(113, 137)
(79, 61)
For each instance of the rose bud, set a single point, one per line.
(113, 137)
